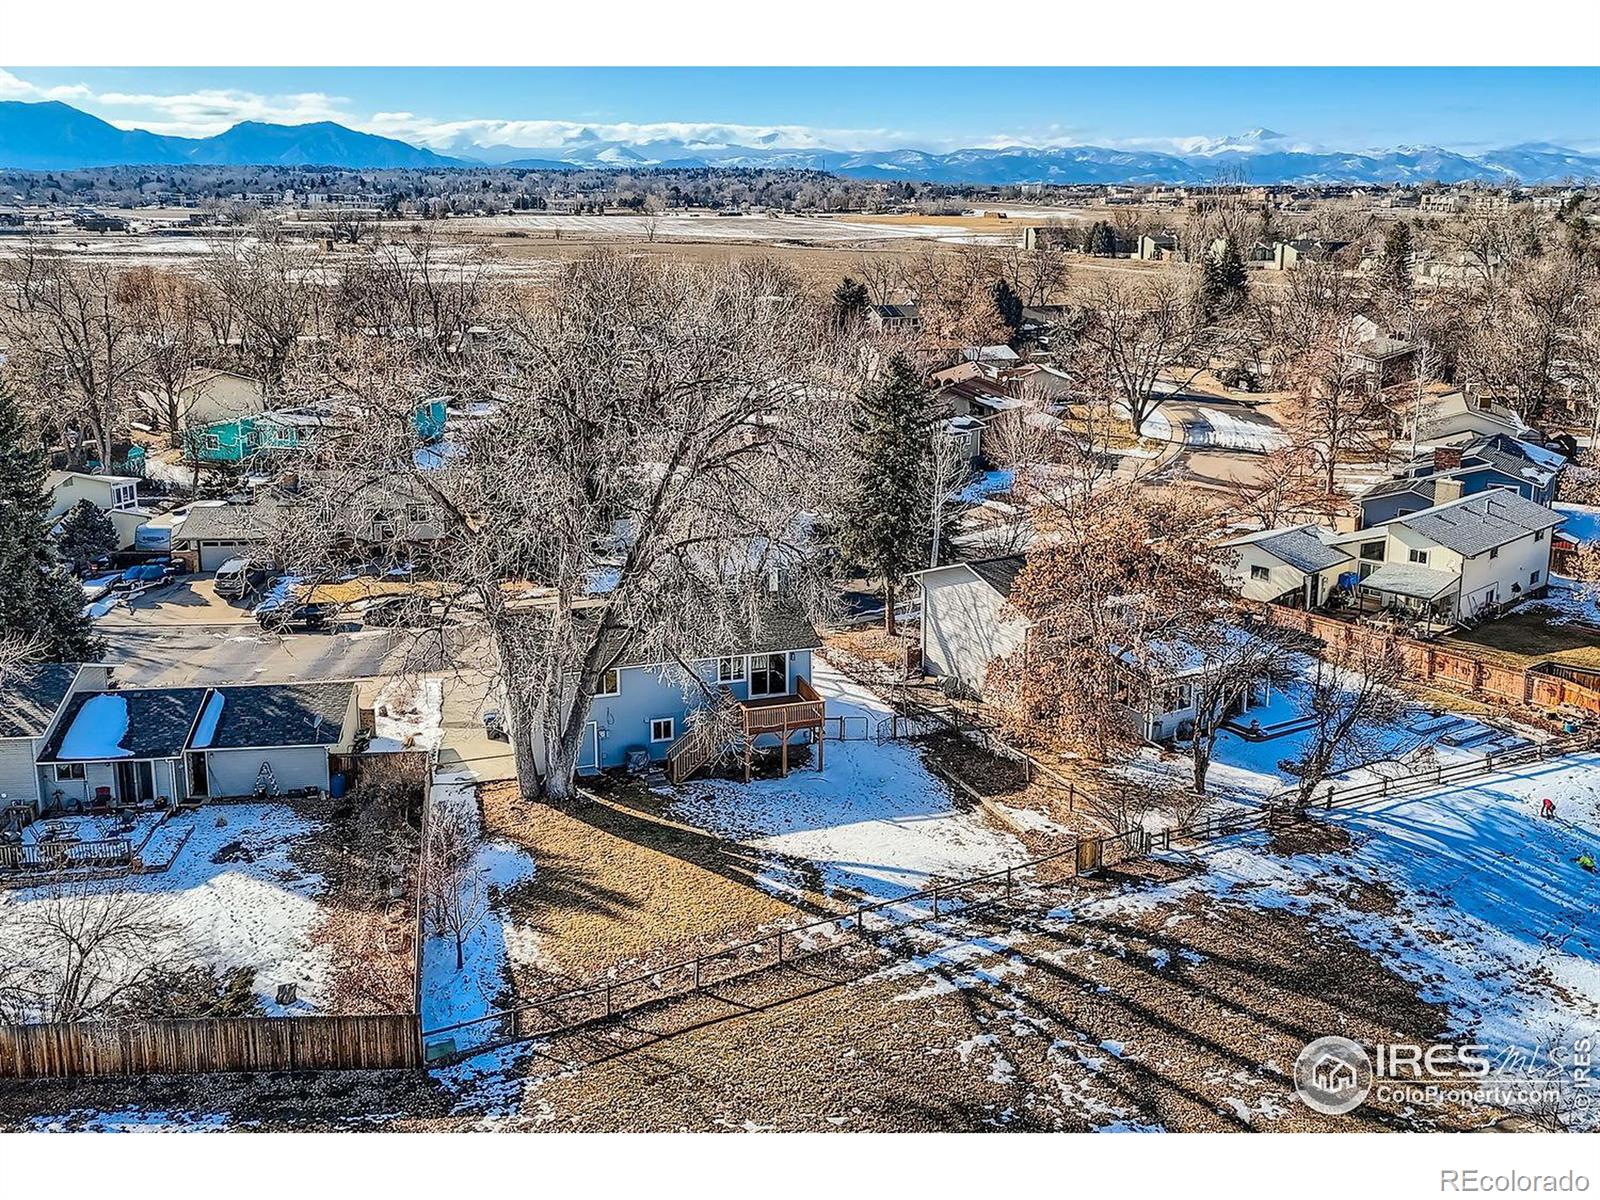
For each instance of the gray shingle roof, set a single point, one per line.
(30, 695)
(1480, 522)
(159, 720)
(778, 623)
(228, 522)
(305, 714)
(1298, 546)
(999, 573)
(1511, 458)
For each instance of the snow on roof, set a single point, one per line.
(207, 728)
(98, 729)
(1581, 523)
(1411, 579)
(1300, 546)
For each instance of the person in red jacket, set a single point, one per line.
(1547, 808)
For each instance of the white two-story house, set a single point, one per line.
(1455, 561)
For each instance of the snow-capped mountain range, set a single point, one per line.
(55, 136)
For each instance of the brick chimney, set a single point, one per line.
(1446, 458)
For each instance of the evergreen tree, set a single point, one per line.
(883, 526)
(1224, 282)
(1394, 268)
(1009, 305)
(849, 302)
(86, 533)
(39, 603)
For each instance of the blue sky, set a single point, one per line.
(854, 108)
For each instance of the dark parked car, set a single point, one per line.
(494, 724)
(295, 615)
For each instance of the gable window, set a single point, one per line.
(1257, 572)
(662, 729)
(730, 670)
(610, 683)
(1494, 552)
(1420, 557)
(769, 674)
(66, 771)
(1538, 535)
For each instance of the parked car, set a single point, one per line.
(238, 577)
(386, 611)
(494, 724)
(295, 615)
(142, 576)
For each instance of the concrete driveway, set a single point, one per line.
(184, 602)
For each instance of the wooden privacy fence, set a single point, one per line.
(1449, 668)
(187, 1047)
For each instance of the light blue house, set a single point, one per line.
(644, 706)
(238, 439)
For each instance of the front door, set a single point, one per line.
(197, 775)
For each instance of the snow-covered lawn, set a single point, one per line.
(1494, 918)
(233, 897)
(1567, 602)
(986, 484)
(407, 715)
(875, 820)
(449, 995)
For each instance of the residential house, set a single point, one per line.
(31, 698)
(215, 533)
(1383, 362)
(1456, 561)
(966, 622)
(1455, 418)
(1161, 687)
(144, 745)
(1497, 461)
(210, 395)
(1296, 565)
(902, 317)
(641, 710)
(1157, 247)
(115, 495)
(1287, 256)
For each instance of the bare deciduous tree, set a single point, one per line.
(1352, 702)
(1148, 340)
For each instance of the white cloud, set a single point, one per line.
(12, 88)
(203, 113)
(553, 134)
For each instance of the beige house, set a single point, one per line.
(1459, 560)
(209, 395)
(1296, 565)
(115, 495)
(965, 622)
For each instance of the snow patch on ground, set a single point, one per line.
(234, 897)
(875, 821)
(407, 715)
(1567, 602)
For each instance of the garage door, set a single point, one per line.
(214, 554)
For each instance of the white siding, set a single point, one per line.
(1483, 577)
(963, 629)
(1281, 577)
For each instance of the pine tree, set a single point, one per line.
(1009, 306)
(849, 302)
(883, 526)
(1394, 269)
(86, 533)
(39, 603)
(1224, 282)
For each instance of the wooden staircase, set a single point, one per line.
(688, 754)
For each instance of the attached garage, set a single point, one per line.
(217, 532)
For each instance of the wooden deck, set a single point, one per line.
(778, 716)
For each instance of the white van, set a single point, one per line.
(238, 577)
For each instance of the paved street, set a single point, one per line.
(182, 655)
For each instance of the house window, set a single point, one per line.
(122, 496)
(1372, 551)
(66, 771)
(610, 683)
(212, 442)
(769, 674)
(1420, 557)
(730, 670)
(1533, 579)
(1538, 535)
(1494, 552)
(1259, 572)
(662, 729)
(417, 514)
